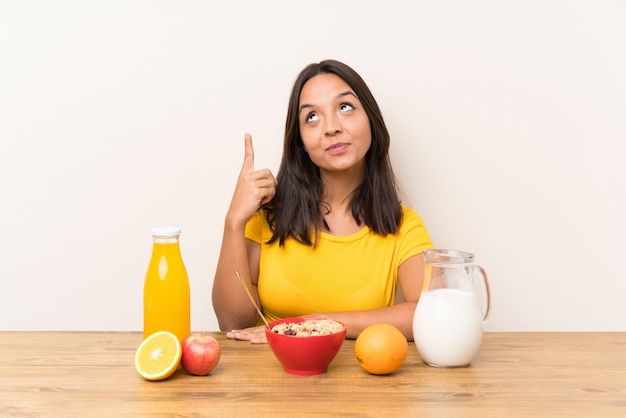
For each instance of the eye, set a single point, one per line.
(346, 107)
(311, 117)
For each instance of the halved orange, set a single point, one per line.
(158, 356)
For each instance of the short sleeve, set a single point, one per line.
(414, 236)
(255, 226)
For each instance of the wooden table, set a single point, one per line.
(61, 374)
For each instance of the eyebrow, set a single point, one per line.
(339, 96)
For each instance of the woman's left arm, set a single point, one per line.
(410, 280)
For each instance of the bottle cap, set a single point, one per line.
(165, 231)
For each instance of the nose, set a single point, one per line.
(332, 126)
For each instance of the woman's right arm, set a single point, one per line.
(230, 302)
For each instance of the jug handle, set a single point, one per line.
(486, 280)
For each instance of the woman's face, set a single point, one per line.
(334, 126)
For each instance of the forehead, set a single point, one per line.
(323, 87)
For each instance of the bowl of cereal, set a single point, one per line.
(305, 346)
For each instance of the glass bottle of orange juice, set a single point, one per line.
(166, 298)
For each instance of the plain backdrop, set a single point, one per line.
(508, 124)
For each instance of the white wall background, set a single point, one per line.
(508, 122)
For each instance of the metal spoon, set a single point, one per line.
(252, 299)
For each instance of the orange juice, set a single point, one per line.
(166, 288)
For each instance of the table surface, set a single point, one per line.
(50, 374)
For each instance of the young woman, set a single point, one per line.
(329, 236)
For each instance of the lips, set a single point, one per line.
(337, 148)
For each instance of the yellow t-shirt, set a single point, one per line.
(343, 273)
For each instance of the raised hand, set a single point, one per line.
(254, 187)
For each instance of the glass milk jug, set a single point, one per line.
(453, 306)
(166, 298)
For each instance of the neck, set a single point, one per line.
(339, 189)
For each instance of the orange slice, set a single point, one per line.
(158, 356)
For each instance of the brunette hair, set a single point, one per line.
(296, 209)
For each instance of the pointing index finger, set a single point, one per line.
(248, 160)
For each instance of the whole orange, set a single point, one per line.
(381, 348)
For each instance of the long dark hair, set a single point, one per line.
(296, 209)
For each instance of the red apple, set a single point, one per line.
(201, 353)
